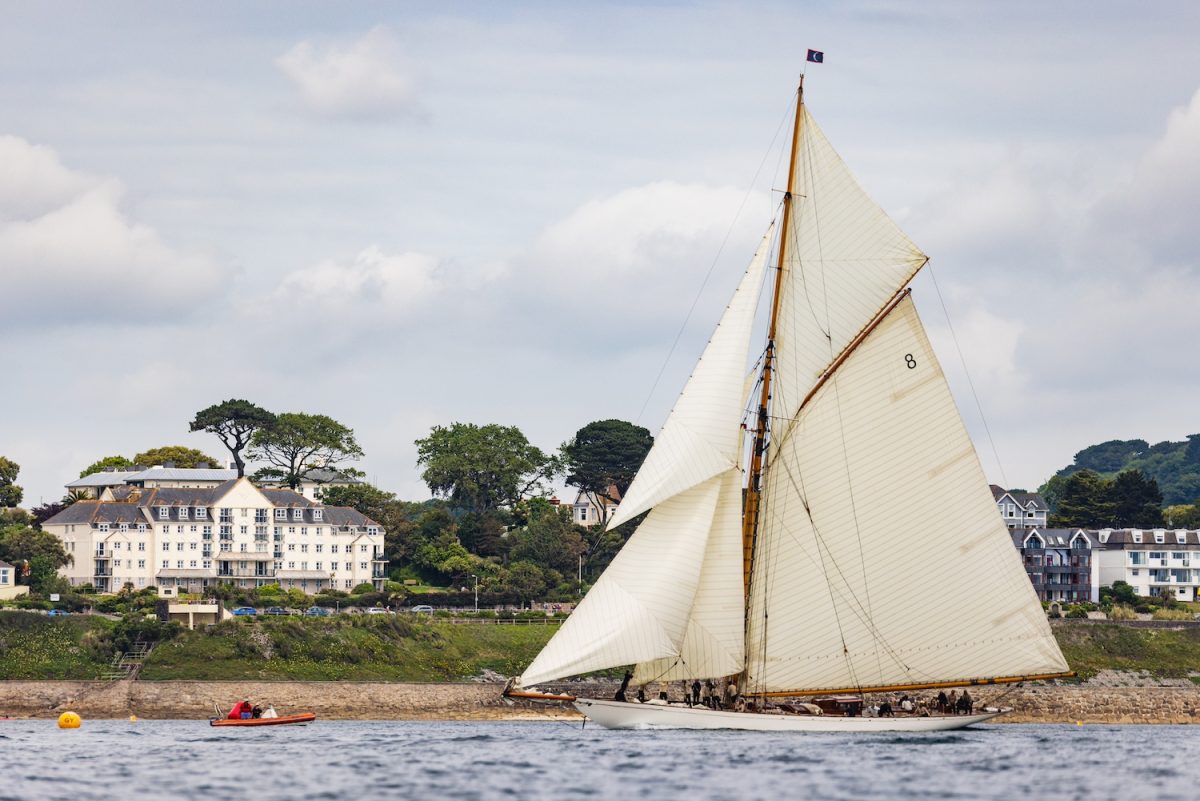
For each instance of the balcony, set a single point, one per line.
(244, 572)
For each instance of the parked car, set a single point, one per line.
(57, 612)
(245, 610)
(276, 610)
(317, 611)
(377, 610)
(423, 608)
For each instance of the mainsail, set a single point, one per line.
(878, 558)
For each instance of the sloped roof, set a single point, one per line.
(317, 475)
(347, 516)
(97, 512)
(183, 474)
(286, 498)
(102, 479)
(1023, 499)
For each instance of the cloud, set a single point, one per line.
(632, 262)
(364, 79)
(71, 255)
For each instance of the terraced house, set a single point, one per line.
(182, 539)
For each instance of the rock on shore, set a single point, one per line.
(194, 700)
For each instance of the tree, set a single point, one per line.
(1136, 501)
(364, 497)
(21, 543)
(296, 443)
(234, 422)
(549, 540)
(115, 462)
(603, 458)
(1083, 502)
(10, 493)
(482, 467)
(179, 455)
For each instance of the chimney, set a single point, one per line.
(168, 464)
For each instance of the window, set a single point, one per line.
(244, 529)
(292, 530)
(164, 513)
(183, 513)
(124, 527)
(166, 563)
(304, 531)
(318, 547)
(372, 529)
(291, 546)
(179, 564)
(243, 547)
(291, 565)
(304, 565)
(260, 515)
(179, 529)
(281, 514)
(333, 548)
(297, 514)
(277, 531)
(362, 565)
(362, 548)
(1158, 555)
(141, 546)
(318, 565)
(142, 563)
(1159, 537)
(1137, 557)
(192, 563)
(142, 527)
(207, 564)
(192, 545)
(179, 546)
(166, 546)
(201, 513)
(1178, 555)
(349, 583)
(349, 567)
(1181, 537)
(318, 514)
(104, 528)
(304, 548)
(319, 531)
(1137, 536)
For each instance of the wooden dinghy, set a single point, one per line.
(303, 717)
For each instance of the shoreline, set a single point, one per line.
(195, 700)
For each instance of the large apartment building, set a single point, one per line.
(1163, 562)
(1060, 563)
(182, 539)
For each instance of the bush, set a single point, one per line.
(1173, 614)
(1122, 612)
(1143, 609)
(1076, 612)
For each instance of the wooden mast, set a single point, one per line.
(753, 485)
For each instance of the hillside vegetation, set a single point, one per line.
(1175, 466)
(390, 648)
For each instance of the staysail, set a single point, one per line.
(880, 556)
(701, 435)
(644, 607)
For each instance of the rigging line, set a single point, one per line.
(979, 406)
(721, 249)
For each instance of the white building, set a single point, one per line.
(313, 482)
(591, 510)
(183, 539)
(1163, 562)
(9, 588)
(111, 484)
(1020, 510)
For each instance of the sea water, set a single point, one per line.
(423, 761)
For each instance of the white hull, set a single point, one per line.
(626, 715)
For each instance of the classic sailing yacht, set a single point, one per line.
(822, 527)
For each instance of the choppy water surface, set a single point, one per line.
(395, 760)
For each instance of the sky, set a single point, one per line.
(404, 215)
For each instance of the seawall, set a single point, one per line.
(386, 701)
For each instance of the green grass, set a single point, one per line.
(358, 648)
(1165, 653)
(34, 646)
(419, 648)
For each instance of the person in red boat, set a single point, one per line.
(238, 709)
